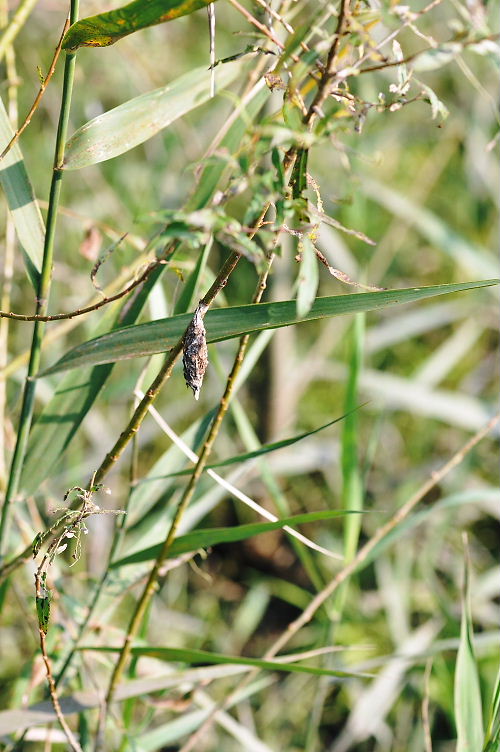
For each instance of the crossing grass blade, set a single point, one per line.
(210, 537)
(185, 655)
(107, 28)
(227, 323)
(130, 124)
(21, 201)
(264, 449)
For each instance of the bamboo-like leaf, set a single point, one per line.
(137, 120)
(107, 28)
(202, 656)
(468, 705)
(226, 323)
(21, 201)
(211, 536)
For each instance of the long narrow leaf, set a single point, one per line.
(21, 201)
(202, 656)
(264, 449)
(107, 28)
(137, 120)
(226, 323)
(211, 536)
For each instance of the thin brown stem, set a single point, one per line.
(329, 71)
(88, 309)
(40, 94)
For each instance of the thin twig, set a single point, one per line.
(88, 309)
(329, 71)
(258, 25)
(39, 96)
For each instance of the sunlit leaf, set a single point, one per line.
(137, 120)
(21, 201)
(226, 323)
(107, 28)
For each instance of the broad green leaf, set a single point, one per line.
(137, 120)
(264, 449)
(211, 536)
(468, 705)
(107, 28)
(226, 323)
(202, 656)
(21, 201)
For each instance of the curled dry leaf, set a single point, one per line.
(195, 351)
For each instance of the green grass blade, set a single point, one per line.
(216, 165)
(202, 656)
(187, 298)
(107, 28)
(264, 449)
(21, 201)
(211, 536)
(120, 129)
(468, 706)
(226, 323)
(492, 736)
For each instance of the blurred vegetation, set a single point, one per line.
(416, 382)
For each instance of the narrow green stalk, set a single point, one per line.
(42, 297)
(17, 22)
(150, 587)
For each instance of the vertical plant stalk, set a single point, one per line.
(42, 296)
(150, 587)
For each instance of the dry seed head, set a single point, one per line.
(195, 352)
